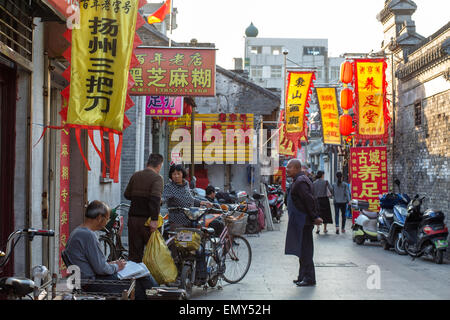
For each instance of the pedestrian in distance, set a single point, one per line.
(144, 190)
(303, 215)
(341, 195)
(83, 250)
(323, 192)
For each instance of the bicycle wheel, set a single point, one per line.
(237, 260)
(108, 248)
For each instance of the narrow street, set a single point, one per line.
(341, 272)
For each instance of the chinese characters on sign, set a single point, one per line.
(297, 95)
(371, 98)
(162, 106)
(64, 182)
(330, 115)
(101, 54)
(368, 172)
(174, 72)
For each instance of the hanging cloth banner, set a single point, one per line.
(329, 113)
(372, 115)
(298, 94)
(100, 56)
(101, 53)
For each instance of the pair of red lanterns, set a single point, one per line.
(345, 120)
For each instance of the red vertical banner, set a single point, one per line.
(64, 189)
(368, 172)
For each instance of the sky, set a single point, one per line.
(349, 25)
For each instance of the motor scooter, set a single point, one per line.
(424, 233)
(391, 219)
(275, 196)
(365, 226)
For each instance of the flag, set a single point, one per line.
(160, 14)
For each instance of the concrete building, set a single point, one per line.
(419, 82)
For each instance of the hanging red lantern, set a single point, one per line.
(346, 72)
(345, 124)
(346, 99)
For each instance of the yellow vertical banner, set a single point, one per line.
(330, 115)
(370, 89)
(101, 54)
(297, 94)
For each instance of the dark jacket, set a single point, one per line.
(145, 190)
(303, 197)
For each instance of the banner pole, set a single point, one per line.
(170, 23)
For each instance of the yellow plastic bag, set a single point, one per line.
(160, 221)
(158, 259)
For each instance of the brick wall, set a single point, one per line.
(422, 152)
(128, 161)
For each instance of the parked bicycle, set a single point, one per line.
(17, 288)
(111, 236)
(202, 258)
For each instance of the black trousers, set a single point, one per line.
(307, 272)
(138, 236)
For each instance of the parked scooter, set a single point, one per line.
(391, 220)
(365, 227)
(424, 233)
(275, 196)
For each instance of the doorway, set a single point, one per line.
(7, 157)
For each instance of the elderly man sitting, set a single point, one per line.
(83, 250)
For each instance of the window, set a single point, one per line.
(276, 50)
(335, 73)
(275, 71)
(256, 72)
(313, 51)
(256, 49)
(418, 113)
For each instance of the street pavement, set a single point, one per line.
(344, 271)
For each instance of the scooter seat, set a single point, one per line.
(21, 286)
(370, 215)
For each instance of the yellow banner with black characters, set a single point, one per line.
(330, 115)
(101, 53)
(297, 94)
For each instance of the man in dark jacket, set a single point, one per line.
(303, 215)
(144, 190)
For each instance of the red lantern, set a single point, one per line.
(345, 124)
(346, 99)
(346, 72)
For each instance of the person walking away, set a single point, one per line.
(303, 215)
(322, 192)
(144, 190)
(341, 195)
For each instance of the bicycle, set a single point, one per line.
(111, 236)
(16, 288)
(228, 256)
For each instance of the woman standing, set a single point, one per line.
(322, 190)
(341, 194)
(177, 194)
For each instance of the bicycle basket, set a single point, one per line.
(188, 239)
(237, 225)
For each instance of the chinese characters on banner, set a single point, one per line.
(368, 172)
(330, 115)
(163, 106)
(101, 54)
(297, 96)
(371, 110)
(174, 72)
(64, 183)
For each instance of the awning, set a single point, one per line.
(59, 7)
